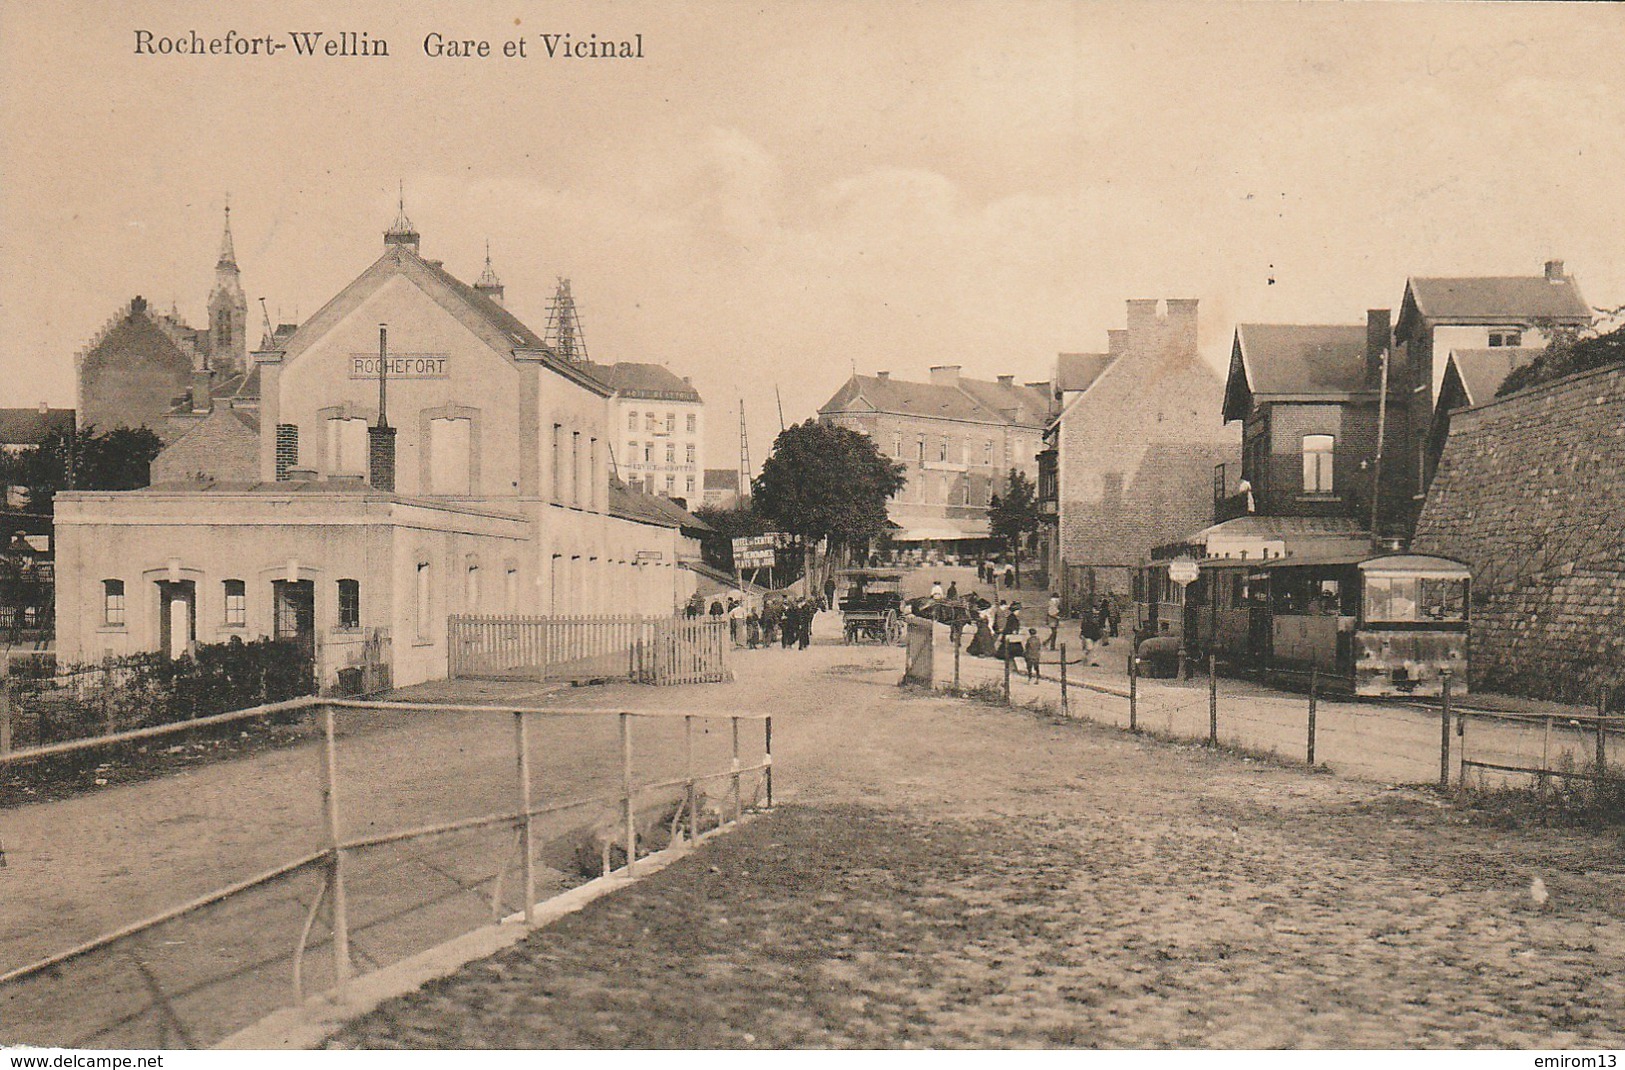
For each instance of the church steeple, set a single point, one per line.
(228, 252)
(228, 309)
(401, 232)
(488, 283)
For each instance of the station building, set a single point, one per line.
(420, 453)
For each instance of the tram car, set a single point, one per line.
(1373, 625)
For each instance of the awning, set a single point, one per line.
(936, 534)
(1257, 538)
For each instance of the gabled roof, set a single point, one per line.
(971, 400)
(1278, 360)
(629, 504)
(30, 427)
(1491, 299)
(1078, 371)
(501, 329)
(1482, 371)
(1016, 404)
(633, 380)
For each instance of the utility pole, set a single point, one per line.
(1376, 464)
(744, 456)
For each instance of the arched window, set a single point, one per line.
(1317, 463)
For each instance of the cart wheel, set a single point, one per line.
(895, 632)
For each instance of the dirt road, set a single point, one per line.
(950, 874)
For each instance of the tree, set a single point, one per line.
(1013, 514)
(716, 549)
(119, 459)
(823, 482)
(1566, 354)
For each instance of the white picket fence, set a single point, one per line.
(652, 650)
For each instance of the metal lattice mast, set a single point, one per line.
(564, 332)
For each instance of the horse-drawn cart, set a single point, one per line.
(871, 605)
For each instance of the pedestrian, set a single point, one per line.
(1000, 616)
(1089, 632)
(736, 621)
(1010, 574)
(829, 593)
(1104, 613)
(809, 609)
(716, 608)
(1034, 653)
(1052, 617)
(770, 622)
(953, 591)
(1116, 618)
(1010, 634)
(787, 625)
(753, 630)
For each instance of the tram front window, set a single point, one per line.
(1409, 598)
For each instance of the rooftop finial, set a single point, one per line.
(401, 232)
(488, 283)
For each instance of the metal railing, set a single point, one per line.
(187, 1002)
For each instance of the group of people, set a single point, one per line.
(991, 572)
(999, 631)
(787, 622)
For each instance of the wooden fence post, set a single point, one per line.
(335, 865)
(626, 792)
(1064, 708)
(1007, 660)
(739, 806)
(521, 740)
(1314, 693)
(1212, 700)
(1602, 735)
(1133, 692)
(767, 760)
(1444, 729)
(688, 772)
(956, 667)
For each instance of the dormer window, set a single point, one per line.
(1505, 337)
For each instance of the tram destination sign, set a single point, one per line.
(400, 365)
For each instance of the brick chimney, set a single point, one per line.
(1007, 380)
(202, 396)
(884, 377)
(1554, 271)
(1182, 321)
(381, 457)
(945, 375)
(1142, 314)
(45, 408)
(1116, 342)
(1379, 335)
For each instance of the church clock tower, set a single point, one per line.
(228, 311)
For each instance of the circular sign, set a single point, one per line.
(1183, 571)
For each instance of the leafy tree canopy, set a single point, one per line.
(826, 482)
(1567, 354)
(119, 459)
(1015, 512)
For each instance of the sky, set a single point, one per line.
(778, 194)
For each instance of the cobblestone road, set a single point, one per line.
(951, 874)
